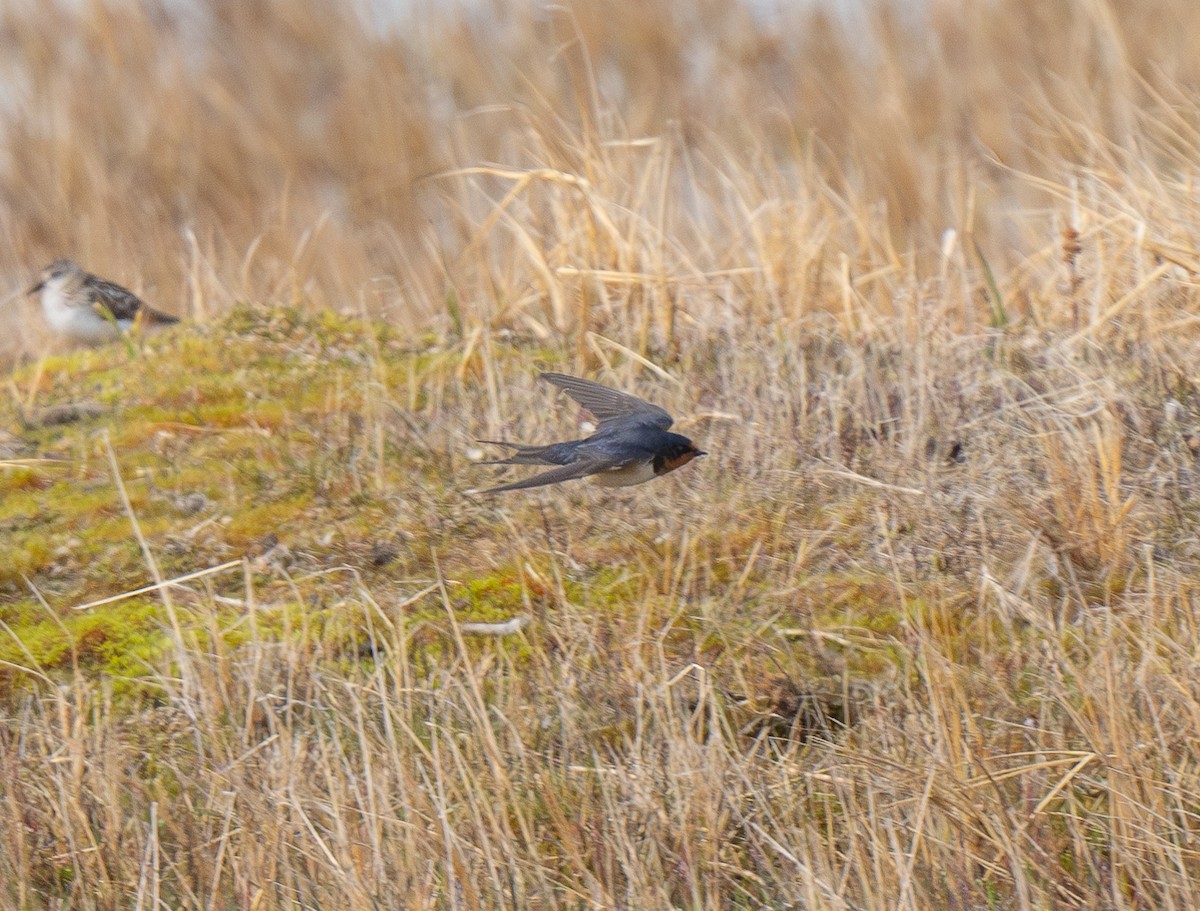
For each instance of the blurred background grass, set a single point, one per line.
(312, 153)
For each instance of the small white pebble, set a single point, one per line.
(949, 239)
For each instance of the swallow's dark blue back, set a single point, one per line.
(627, 441)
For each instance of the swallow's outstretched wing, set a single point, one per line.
(580, 469)
(609, 404)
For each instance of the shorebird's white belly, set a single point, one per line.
(627, 476)
(79, 322)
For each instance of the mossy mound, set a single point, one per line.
(320, 460)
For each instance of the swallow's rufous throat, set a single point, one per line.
(631, 445)
(86, 308)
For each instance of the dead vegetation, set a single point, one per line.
(920, 633)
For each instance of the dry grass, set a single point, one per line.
(921, 633)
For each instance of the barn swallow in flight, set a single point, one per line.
(631, 444)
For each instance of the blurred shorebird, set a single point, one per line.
(631, 445)
(86, 308)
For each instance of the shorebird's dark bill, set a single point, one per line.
(35, 289)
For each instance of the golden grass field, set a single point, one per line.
(921, 632)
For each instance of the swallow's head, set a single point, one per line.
(61, 271)
(677, 452)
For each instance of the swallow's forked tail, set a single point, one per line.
(524, 455)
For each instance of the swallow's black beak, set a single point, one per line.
(35, 289)
(700, 452)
